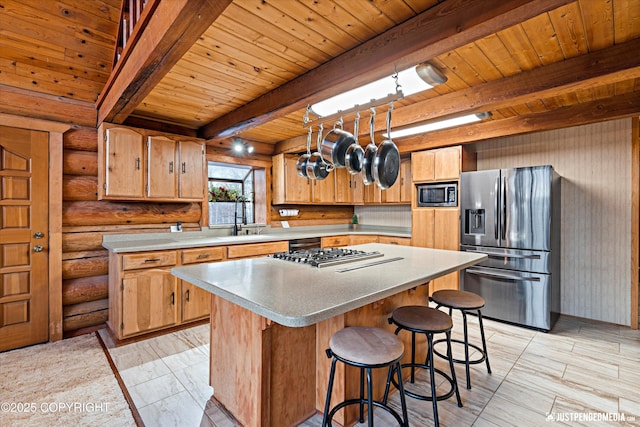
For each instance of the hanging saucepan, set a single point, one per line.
(301, 164)
(317, 167)
(354, 156)
(386, 166)
(369, 154)
(334, 145)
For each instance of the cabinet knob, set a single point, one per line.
(38, 248)
(170, 167)
(38, 235)
(187, 294)
(173, 298)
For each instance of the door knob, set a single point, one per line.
(38, 248)
(38, 234)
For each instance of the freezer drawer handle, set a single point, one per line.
(503, 255)
(504, 276)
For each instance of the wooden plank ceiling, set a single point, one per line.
(532, 64)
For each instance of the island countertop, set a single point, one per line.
(298, 295)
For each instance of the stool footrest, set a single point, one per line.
(363, 402)
(462, 361)
(443, 374)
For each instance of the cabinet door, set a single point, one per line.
(357, 189)
(196, 302)
(422, 220)
(324, 191)
(296, 188)
(372, 194)
(423, 165)
(192, 170)
(447, 163)
(161, 162)
(446, 236)
(406, 181)
(343, 186)
(148, 301)
(360, 239)
(123, 171)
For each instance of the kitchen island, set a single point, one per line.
(271, 321)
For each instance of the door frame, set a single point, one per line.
(56, 135)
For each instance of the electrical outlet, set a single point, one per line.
(176, 229)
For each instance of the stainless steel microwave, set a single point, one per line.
(442, 194)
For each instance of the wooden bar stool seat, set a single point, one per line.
(465, 302)
(366, 348)
(429, 321)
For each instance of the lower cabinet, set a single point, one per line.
(145, 297)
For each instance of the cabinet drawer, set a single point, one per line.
(403, 241)
(256, 249)
(191, 256)
(148, 260)
(335, 241)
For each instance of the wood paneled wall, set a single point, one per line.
(595, 164)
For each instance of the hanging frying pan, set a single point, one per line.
(386, 165)
(317, 167)
(369, 154)
(354, 156)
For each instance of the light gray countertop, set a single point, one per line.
(299, 295)
(122, 243)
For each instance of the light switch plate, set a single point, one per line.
(285, 224)
(176, 229)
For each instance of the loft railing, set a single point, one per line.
(133, 18)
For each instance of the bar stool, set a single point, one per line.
(426, 320)
(465, 302)
(366, 348)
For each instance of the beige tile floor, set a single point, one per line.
(582, 373)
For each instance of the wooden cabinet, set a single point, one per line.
(437, 228)
(400, 191)
(256, 249)
(121, 157)
(360, 239)
(145, 297)
(324, 191)
(288, 186)
(392, 240)
(336, 241)
(133, 165)
(436, 165)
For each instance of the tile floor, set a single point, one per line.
(582, 373)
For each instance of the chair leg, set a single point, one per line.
(403, 402)
(466, 348)
(369, 398)
(327, 402)
(432, 377)
(361, 395)
(484, 343)
(453, 370)
(413, 356)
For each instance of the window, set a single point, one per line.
(231, 191)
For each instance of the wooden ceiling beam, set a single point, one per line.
(617, 107)
(172, 29)
(442, 28)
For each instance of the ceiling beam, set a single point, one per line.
(616, 107)
(440, 29)
(172, 29)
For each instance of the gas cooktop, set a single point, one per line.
(325, 257)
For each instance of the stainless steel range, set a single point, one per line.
(325, 257)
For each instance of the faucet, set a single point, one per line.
(237, 227)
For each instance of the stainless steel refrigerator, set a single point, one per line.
(513, 216)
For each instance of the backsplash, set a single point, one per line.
(390, 215)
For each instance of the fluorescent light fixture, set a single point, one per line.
(409, 81)
(443, 124)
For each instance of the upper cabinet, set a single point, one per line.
(441, 164)
(136, 166)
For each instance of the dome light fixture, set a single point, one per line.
(239, 146)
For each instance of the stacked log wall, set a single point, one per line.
(85, 220)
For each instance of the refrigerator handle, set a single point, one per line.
(503, 202)
(496, 203)
(503, 276)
